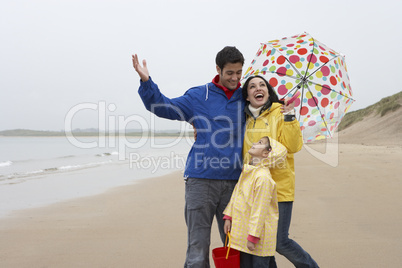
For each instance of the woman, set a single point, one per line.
(267, 116)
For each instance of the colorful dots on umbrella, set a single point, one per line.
(312, 58)
(325, 89)
(273, 82)
(294, 58)
(303, 110)
(343, 85)
(281, 60)
(324, 59)
(333, 81)
(325, 70)
(282, 90)
(281, 71)
(317, 71)
(302, 51)
(297, 102)
(336, 105)
(324, 102)
(312, 102)
(319, 137)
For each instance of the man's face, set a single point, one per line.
(230, 75)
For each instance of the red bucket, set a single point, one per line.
(226, 257)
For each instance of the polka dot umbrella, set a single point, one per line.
(302, 63)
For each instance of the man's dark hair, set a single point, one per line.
(228, 55)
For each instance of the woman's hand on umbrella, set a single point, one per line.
(287, 107)
(141, 70)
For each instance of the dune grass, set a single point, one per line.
(384, 106)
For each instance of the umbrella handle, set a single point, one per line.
(292, 99)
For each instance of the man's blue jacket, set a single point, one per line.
(220, 122)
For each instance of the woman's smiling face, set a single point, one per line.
(257, 92)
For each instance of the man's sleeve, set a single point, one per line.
(155, 102)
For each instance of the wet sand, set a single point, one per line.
(347, 213)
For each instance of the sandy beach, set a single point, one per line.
(346, 214)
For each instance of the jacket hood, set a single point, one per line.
(276, 158)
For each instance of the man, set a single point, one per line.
(215, 160)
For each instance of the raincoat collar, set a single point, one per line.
(248, 168)
(267, 107)
(229, 93)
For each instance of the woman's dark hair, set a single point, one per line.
(228, 55)
(272, 95)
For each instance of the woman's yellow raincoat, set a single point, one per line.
(253, 206)
(271, 123)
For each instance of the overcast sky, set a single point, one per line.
(60, 56)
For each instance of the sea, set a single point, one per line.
(38, 171)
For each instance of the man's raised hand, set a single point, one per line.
(141, 70)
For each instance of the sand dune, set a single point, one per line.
(375, 129)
